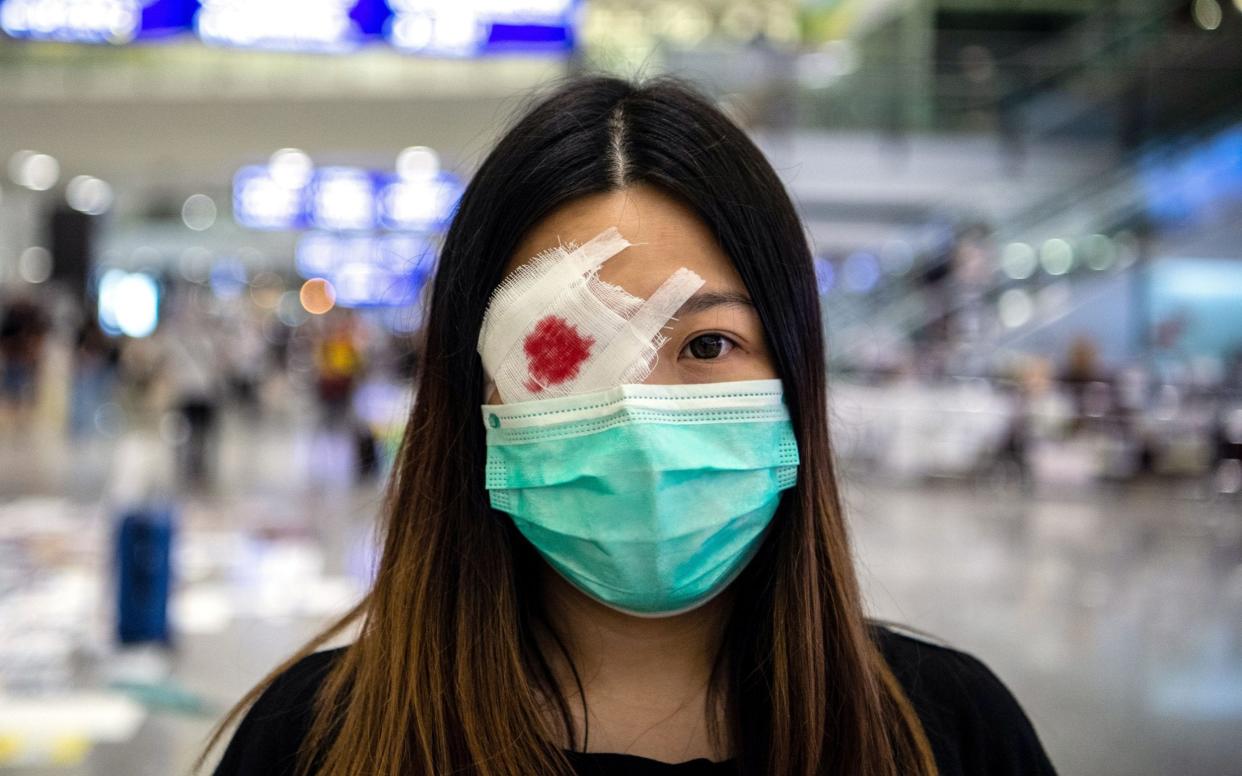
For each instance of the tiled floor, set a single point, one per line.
(1115, 616)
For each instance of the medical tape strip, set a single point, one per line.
(633, 350)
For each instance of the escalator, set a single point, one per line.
(1167, 89)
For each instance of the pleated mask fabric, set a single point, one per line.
(647, 498)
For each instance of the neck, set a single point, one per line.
(661, 664)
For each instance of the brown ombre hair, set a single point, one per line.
(446, 674)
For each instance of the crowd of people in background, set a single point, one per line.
(61, 372)
(211, 358)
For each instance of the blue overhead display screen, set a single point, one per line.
(95, 21)
(482, 27)
(440, 28)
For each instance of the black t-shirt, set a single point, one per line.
(974, 724)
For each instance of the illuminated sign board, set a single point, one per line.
(262, 201)
(419, 204)
(343, 199)
(291, 25)
(441, 28)
(95, 21)
(368, 270)
(469, 28)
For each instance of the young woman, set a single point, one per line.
(632, 558)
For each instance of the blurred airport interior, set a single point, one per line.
(218, 221)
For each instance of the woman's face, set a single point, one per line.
(716, 336)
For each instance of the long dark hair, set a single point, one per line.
(446, 675)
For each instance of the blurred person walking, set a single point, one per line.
(338, 368)
(94, 375)
(248, 363)
(191, 370)
(23, 327)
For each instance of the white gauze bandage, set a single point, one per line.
(553, 328)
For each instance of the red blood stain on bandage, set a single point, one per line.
(554, 351)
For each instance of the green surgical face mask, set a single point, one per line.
(648, 498)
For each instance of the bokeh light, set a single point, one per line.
(343, 199)
(418, 163)
(317, 296)
(128, 303)
(833, 61)
(260, 202)
(861, 272)
(825, 275)
(17, 165)
(1208, 14)
(35, 171)
(1056, 256)
(307, 25)
(1098, 251)
(83, 21)
(291, 167)
(199, 212)
(88, 194)
(35, 264)
(1015, 307)
(1018, 260)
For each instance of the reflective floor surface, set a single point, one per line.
(1115, 616)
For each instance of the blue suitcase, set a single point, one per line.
(144, 575)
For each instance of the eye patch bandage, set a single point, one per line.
(553, 328)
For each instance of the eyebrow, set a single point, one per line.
(707, 300)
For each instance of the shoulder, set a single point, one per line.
(972, 720)
(268, 737)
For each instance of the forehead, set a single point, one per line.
(664, 232)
